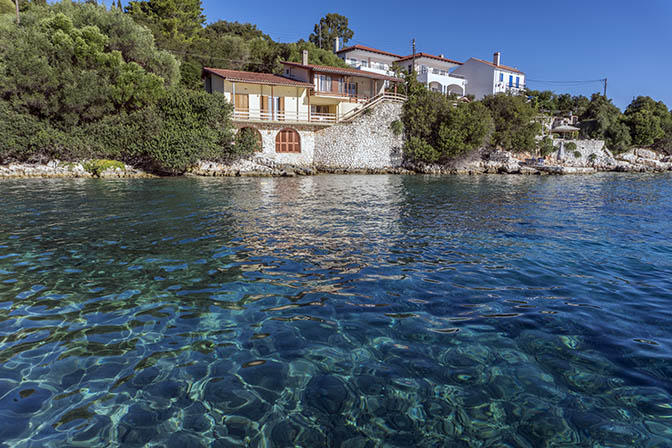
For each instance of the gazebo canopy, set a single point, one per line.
(565, 128)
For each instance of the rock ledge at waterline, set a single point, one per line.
(479, 162)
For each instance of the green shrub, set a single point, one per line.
(438, 129)
(397, 127)
(592, 158)
(570, 146)
(192, 126)
(577, 154)
(99, 166)
(515, 129)
(248, 141)
(546, 146)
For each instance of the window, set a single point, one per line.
(501, 77)
(510, 80)
(517, 81)
(288, 141)
(352, 89)
(323, 83)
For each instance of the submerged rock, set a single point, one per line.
(327, 393)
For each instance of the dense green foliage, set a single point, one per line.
(650, 121)
(78, 82)
(604, 121)
(98, 166)
(7, 6)
(179, 28)
(438, 128)
(248, 140)
(331, 27)
(563, 104)
(515, 128)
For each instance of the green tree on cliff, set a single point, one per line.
(439, 128)
(515, 128)
(649, 121)
(331, 27)
(602, 120)
(174, 23)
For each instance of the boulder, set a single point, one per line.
(647, 154)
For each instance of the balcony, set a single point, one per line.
(442, 81)
(243, 114)
(502, 87)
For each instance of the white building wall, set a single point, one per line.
(480, 78)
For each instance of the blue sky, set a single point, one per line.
(628, 42)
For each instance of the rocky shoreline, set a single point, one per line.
(61, 169)
(480, 162)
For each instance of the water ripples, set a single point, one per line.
(336, 311)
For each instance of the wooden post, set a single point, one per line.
(395, 88)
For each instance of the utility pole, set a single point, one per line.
(413, 68)
(18, 20)
(605, 87)
(319, 37)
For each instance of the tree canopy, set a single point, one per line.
(174, 23)
(515, 128)
(79, 81)
(331, 27)
(7, 6)
(649, 121)
(438, 128)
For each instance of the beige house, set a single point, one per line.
(287, 110)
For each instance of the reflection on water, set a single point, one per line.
(353, 311)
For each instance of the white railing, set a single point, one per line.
(246, 114)
(288, 116)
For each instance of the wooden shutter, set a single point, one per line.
(288, 141)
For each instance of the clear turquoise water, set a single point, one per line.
(355, 311)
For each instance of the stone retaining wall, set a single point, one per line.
(367, 143)
(589, 152)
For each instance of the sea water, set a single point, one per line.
(355, 311)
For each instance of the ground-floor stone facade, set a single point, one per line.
(366, 143)
(269, 148)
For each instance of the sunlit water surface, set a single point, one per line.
(355, 311)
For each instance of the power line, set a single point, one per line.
(588, 81)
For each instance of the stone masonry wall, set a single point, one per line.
(365, 143)
(269, 131)
(586, 149)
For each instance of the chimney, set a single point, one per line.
(337, 45)
(304, 58)
(496, 58)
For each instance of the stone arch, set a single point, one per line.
(455, 89)
(288, 140)
(435, 86)
(255, 132)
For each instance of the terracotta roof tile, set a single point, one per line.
(372, 50)
(500, 66)
(430, 56)
(343, 71)
(256, 78)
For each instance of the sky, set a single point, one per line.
(627, 42)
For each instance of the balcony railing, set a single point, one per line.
(284, 116)
(510, 88)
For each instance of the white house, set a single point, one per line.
(433, 71)
(489, 78)
(368, 59)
